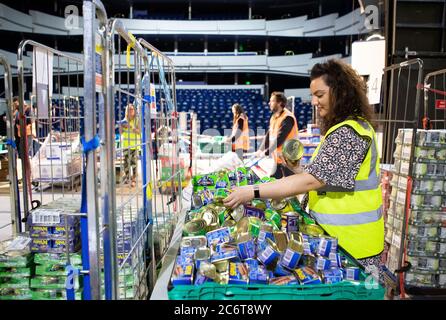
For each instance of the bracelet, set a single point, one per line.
(256, 192)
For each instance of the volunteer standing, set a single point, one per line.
(343, 177)
(240, 131)
(282, 127)
(131, 140)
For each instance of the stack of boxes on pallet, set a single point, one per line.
(59, 160)
(386, 188)
(55, 234)
(426, 232)
(15, 269)
(310, 140)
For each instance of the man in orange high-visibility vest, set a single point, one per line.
(282, 127)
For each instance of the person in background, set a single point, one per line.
(3, 124)
(131, 139)
(240, 131)
(282, 127)
(28, 115)
(342, 180)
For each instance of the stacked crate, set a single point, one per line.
(15, 269)
(54, 229)
(426, 231)
(310, 140)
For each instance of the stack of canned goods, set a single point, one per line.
(426, 234)
(263, 242)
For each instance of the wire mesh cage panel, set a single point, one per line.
(10, 223)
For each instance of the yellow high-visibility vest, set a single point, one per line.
(129, 138)
(354, 216)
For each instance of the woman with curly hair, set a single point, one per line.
(342, 180)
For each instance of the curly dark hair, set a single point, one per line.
(348, 93)
(238, 111)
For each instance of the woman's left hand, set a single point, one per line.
(239, 196)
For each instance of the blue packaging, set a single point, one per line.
(351, 273)
(322, 263)
(306, 275)
(324, 247)
(224, 255)
(332, 276)
(187, 251)
(334, 245)
(257, 273)
(263, 235)
(290, 259)
(335, 259)
(292, 223)
(218, 236)
(284, 281)
(224, 247)
(238, 273)
(246, 249)
(269, 255)
(200, 279)
(183, 274)
(280, 271)
(254, 212)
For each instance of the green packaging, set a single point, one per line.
(54, 294)
(53, 258)
(14, 283)
(15, 294)
(205, 181)
(46, 282)
(274, 217)
(14, 272)
(53, 269)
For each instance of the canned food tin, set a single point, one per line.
(196, 242)
(260, 204)
(322, 263)
(212, 227)
(335, 260)
(311, 229)
(284, 281)
(290, 259)
(351, 274)
(238, 273)
(220, 194)
(221, 265)
(332, 276)
(274, 217)
(218, 236)
(254, 212)
(246, 246)
(307, 275)
(249, 224)
(425, 263)
(196, 227)
(222, 278)
(421, 279)
(202, 254)
(280, 270)
(281, 240)
(257, 273)
(292, 222)
(197, 202)
(238, 213)
(270, 254)
(266, 231)
(281, 206)
(292, 151)
(416, 231)
(324, 247)
(438, 185)
(209, 215)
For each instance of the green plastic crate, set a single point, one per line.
(212, 291)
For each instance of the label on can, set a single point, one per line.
(246, 249)
(254, 212)
(238, 273)
(224, 255)
(274, 217)
(268, 255)
(257, 273)
(306, 275)
(290, 259)
(324, 247)
(335, 260)
(221, 235)
(292, 222)
(351, 274)
(263, 235)
(283, 281)
(322, 263)
(280, 270)
(332, 276)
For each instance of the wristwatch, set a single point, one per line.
(256, 191)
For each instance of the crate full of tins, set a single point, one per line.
(261, 250)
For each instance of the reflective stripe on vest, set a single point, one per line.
(348, 219)
(354, 216)
(274, 125)
(243, 141)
